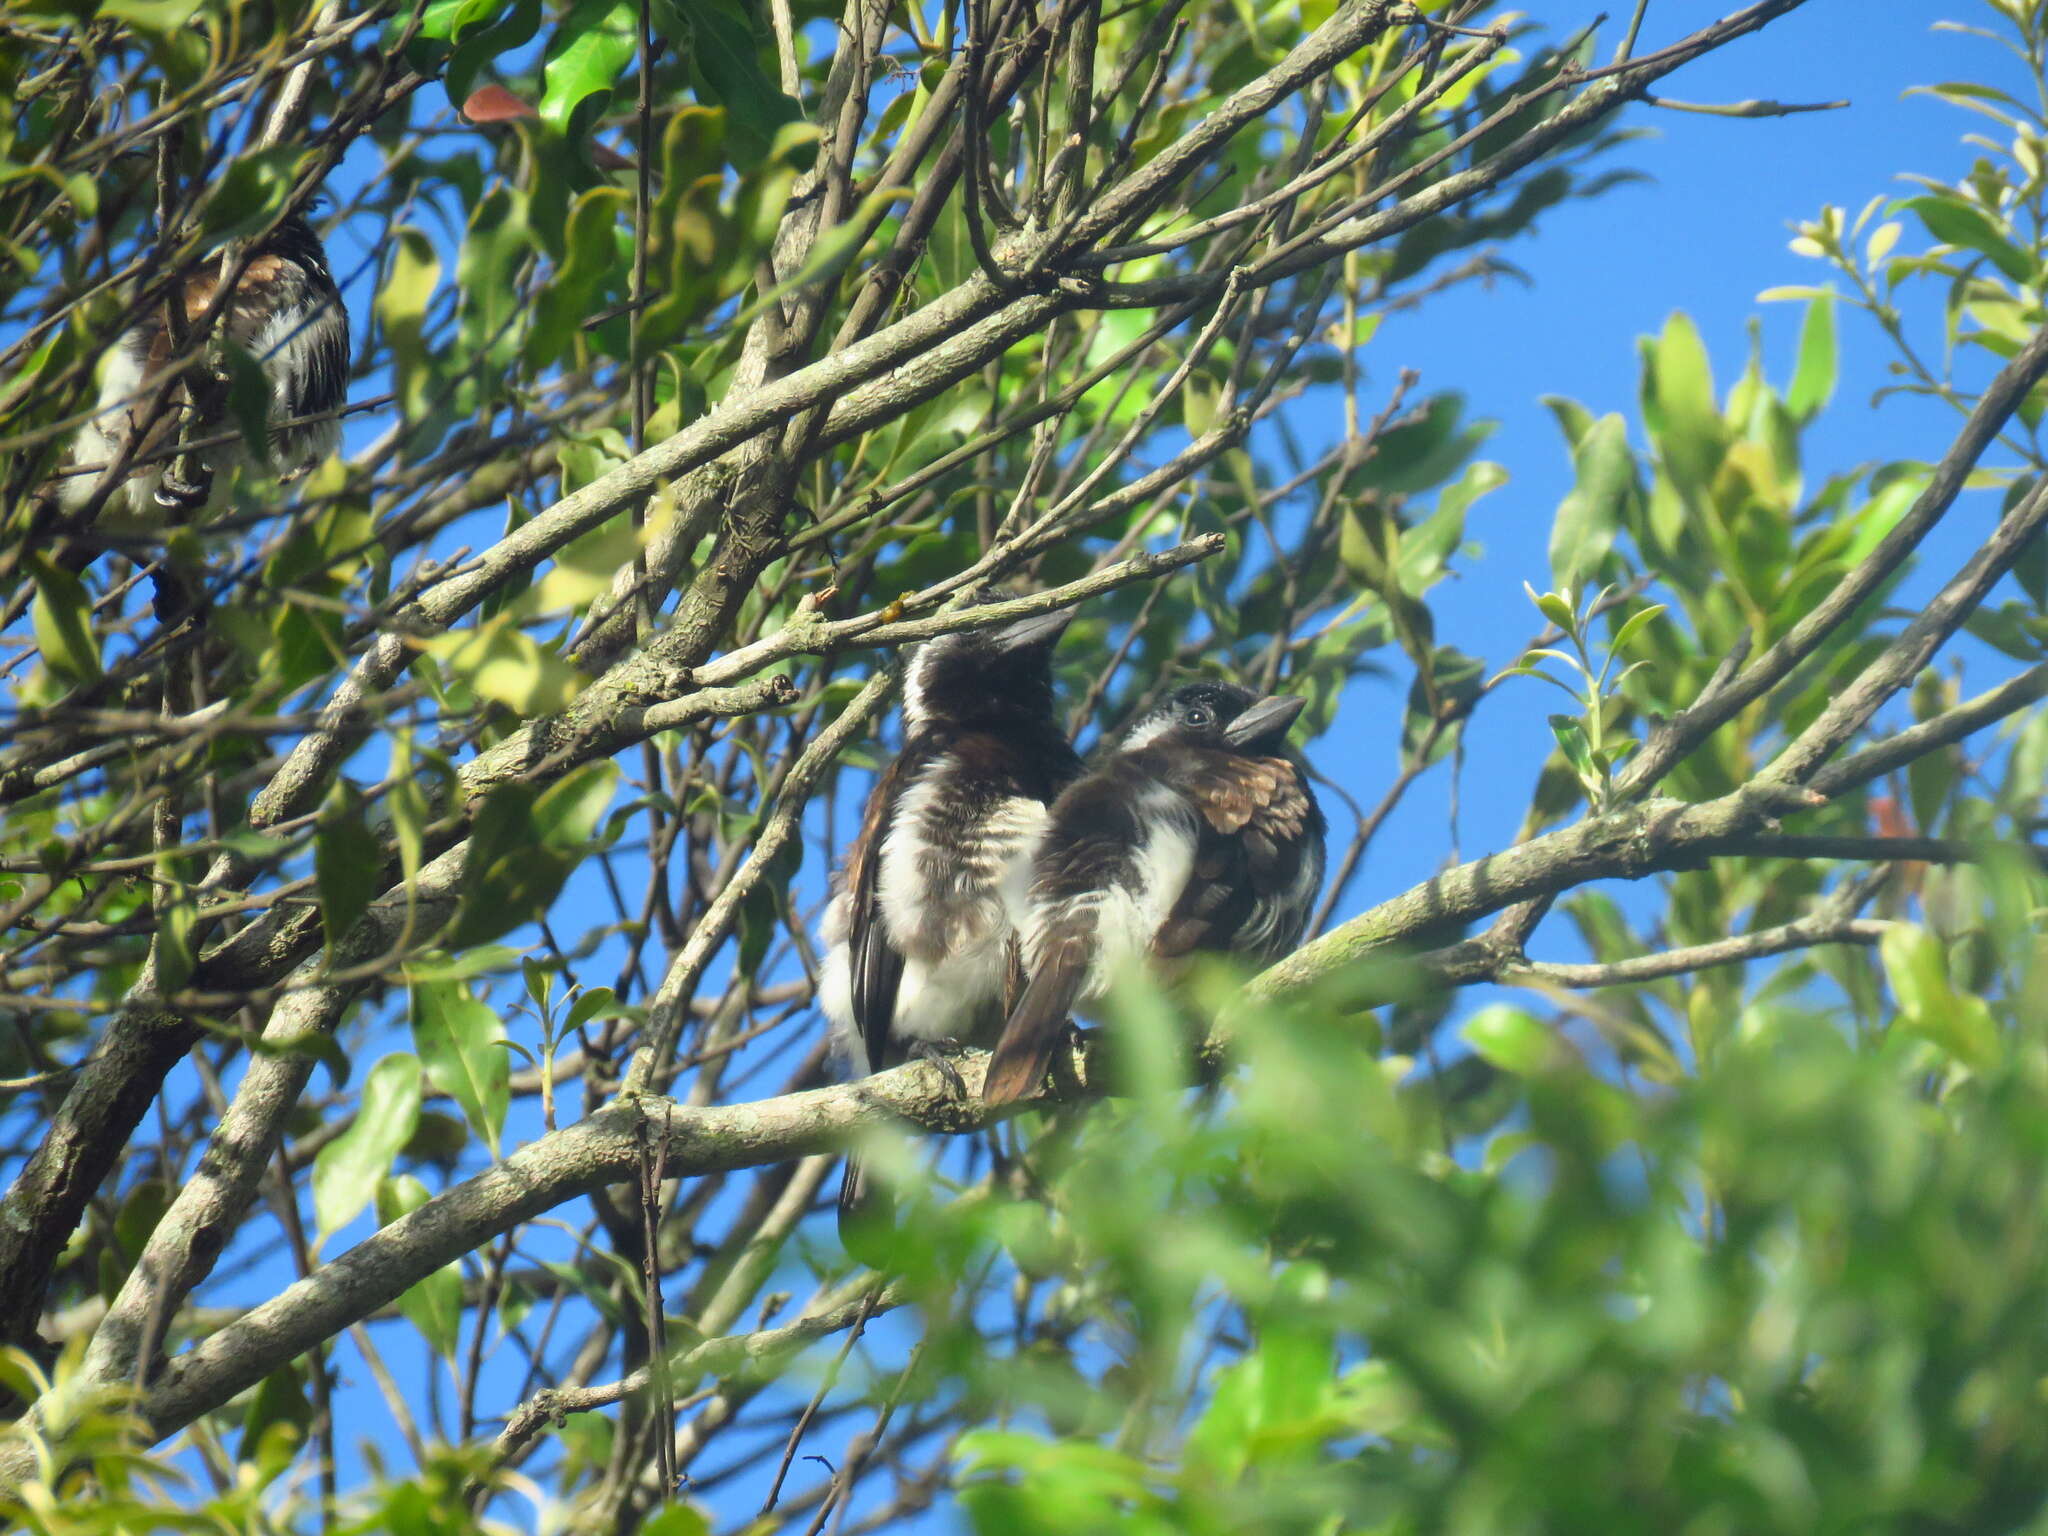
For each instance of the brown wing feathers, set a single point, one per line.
(1234, 792)
(1037, 1022)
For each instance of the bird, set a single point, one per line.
(921, 934)
(286, 313)
(1197, 833)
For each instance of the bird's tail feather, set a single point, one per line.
(1035, 1028)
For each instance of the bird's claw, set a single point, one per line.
(939, 1054)
(175, 492)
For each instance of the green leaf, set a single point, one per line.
(1571, 740)
(1590, 516)
(345, 862)
(490, 305)
(592, 1003)
(503, 663)
(462, 1047)
(401, 307)
(727, 61)
(2030, 566)
(1916, 965)
(569, 811)
(1454, 682)
(1425, 447)
(278, 1401)
(61, 618)
(1955, 222)
(1557, 608)
(432, 1305)
(407, 805)
(1510, 1038)
(482, 45)
(175, 951)
(448, 20)
(347, 1170)
(1679, 406)
(1633, 626)
(1573, 419)
(163, 18)
(587, 54)
(1813, 383)
(676, 1519)
(250, 192)
(591, 244)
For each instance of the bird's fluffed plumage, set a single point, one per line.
(921, 935)
(286, 313)
(1197, 833)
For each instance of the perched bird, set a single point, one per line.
(1198, 833)
(921, 934)
(287, 314)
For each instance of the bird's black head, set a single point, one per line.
(1217, 715)
(981, 676)
(294, 238)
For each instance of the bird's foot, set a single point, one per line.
(176, 492)
(940, 1054)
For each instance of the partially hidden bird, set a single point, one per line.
(921, 937)
(1197, 833)
(287, 314)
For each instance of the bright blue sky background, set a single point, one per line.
(1706, 234)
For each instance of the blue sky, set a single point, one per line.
(1706, 233)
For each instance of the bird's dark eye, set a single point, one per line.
(1198, 716)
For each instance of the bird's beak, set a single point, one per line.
(1269, 717)
(1039, 629)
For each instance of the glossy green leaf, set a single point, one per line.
(1573, 419)
(1956, 222)
(176, 949)
(278, 1403)
(1425, 447)
(592, 1003)
(1813, 383)
(61, 617)
(347, 1170)
(1916, 965)
(1679, 405)
(480, 45)
(250, 192)
(569, 297)
(587, 54)
(506, 665)
(462, 1048)
(401, 308)
(1555, 607)
(727, 60)
(345, 862)
(163, 18)
(522, 846)
(448, 20)
(1590, 516)
(1453, 685)
(490, 307)
(1633, 626)
(1578, 751)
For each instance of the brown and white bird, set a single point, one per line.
(287, 314)
(1197, 833)
(921, 933)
